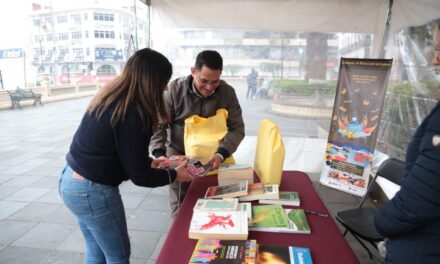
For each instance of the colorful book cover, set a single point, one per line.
(298, 221)
(224, 251)
(227, 191)
(268, 254)
(229, 225)
(225, 204)
(269, 216)
(273, 218)
(286, 198)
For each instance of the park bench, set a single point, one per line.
(23, 94)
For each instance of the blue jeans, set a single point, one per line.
(101, 217)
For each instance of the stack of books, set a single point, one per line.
(247, 251)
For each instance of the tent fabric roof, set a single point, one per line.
(349, 16)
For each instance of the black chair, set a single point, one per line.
(360, 221)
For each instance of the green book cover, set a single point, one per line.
(298, 220)
(269, 216)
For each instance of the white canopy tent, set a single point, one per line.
(351, 16)
(326, 16)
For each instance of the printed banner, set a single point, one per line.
(355, 122)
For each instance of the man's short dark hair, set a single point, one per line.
(210, 59)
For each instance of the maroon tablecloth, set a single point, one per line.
(326, 242)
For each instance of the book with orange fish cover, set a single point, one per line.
(227, 225)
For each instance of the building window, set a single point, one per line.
(85, 16)
(62, 19)
(76, 19)
(103, 17)
(104, 34)
(76, 35)
(106, 70)
(78, 53)
(38, 38)
(87, 51)
(49, 37)
(36, 22)
(86, 33)
(63, 36)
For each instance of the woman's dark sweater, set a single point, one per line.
(110, 155)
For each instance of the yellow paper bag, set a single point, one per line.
(269, 155)
(202, 135)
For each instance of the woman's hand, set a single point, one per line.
(156, 162)
(182, 174)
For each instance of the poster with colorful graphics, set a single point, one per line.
(355, 122)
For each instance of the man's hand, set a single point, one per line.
(215, 161)
(156, 162)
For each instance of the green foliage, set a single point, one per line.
(303, 87)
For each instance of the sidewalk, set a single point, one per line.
(35, 227)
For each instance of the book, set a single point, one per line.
(226, 204)
(228, 174)
(224, 251)
(194, 166)
(228, 191)
(283, 254)
(285, 198)
(270, 192)
(273, 218)
(227, 225)
(246, 207)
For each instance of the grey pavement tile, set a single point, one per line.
(62, 216)
(148, 220)
(34, 212)
(46, 182)
(161, 190)
(130, 187)
(23, 255)
(6, 177)
(43, 171)
(27, 194)
(156, 202)
(12, 230)
(53, 155)
(18, 169)
(61, 257)
(52, 196)
(158, 247)
(139, 261)
(329, 195)
(143, 243)
(56, 163)
(74, 242)
(22, 181)
(7, 208)
(45, 235)
(5, 191)
(132, 200)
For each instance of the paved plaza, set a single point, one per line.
(35, 227)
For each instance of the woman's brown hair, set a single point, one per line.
(141, 84)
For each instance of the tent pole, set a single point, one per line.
(387, 30)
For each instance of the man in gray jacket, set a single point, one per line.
(201, 93)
